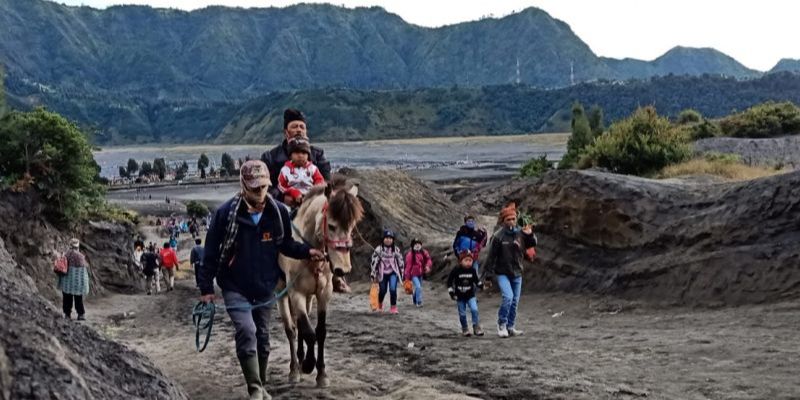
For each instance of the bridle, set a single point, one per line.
(340, 245)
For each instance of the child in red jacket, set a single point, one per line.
(418, 264)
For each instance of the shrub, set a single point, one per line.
(536, 167)
(689, 116)
(196, 209)
(581, 137)
(43, 151)
(764, 120)
(726, 167)
(703, 130)
(639, 145)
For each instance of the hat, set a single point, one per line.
(388, 233)
(298, 145)
(74, 242)
(508, 211)
(254, 173)
(464, 254)
(290, 114)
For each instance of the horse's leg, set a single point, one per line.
(306, 333)
(291, 334)
(322, 331)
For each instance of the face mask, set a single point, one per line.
(471, 224)
(417, 247)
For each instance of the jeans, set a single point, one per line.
(510, 288)
(417, 289)
(251, 326)
(462, 311)
(390, 282)
(66, 304)
(475, 265)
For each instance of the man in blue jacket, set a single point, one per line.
(470, 238)
(241, 252)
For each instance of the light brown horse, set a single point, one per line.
(325, 221)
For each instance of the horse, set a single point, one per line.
(325, 221)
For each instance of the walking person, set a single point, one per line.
(418, 264)
(196, 258)
(506, 252)
(471, 238)
(150, 268)
(75, 284)
(241, 252)
(461, 285)
(169, 264)
(386, 270)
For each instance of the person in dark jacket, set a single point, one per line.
(472, 238)
(241, 252)
(294, 125)
(196, 257)
(461, 284)
(506, 252)
(150, 266)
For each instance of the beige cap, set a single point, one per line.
(255, 174)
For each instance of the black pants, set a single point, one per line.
(67, 304)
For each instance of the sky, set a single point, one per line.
(756, 33)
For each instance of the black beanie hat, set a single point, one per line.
(290, 114)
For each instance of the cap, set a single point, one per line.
(254, 173)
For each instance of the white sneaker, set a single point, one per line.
(515, 332)
(502, 331)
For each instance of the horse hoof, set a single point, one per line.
(294, 377)
(323, 382)
(308, 364)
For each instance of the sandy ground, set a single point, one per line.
(574, 347)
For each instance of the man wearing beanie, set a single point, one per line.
(294, 125)
(506, 252)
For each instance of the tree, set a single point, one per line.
(596, 121)
(43, 151)
(146, 169)
(160, 168)
(133, 167)
(196, 209)
(123, 173)
(202, 164)
(227, 167)
(536, 167)
(180, 173)
(580, 138)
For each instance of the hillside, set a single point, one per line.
(786, 65)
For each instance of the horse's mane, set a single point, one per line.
(344, 208)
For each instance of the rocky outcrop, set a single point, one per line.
(43, 356)
(772, 152)
(667, 241)
(33, 242)
(393, 199)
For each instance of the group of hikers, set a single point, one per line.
(248, 232)
(507, 250)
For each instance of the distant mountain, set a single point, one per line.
(682, 61)
(136, 74)
(786, 64)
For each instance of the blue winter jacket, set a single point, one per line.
(253, 271)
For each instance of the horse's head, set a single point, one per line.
(336, 225)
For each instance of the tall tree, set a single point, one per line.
(580, 138)
(228, 167)
(596, 121)
(160, 168)
(146, 169)
(133, 167)
(123, 173)
(202, 164)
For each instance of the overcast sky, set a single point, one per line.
(757, 33)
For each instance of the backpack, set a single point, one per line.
(60, 265)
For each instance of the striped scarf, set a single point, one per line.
(228, 245)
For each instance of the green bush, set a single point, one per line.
(642, 144)
(43, 151)
(196, 209)
(581, 137)
(689, 116)
(703, 130)
(764, 120)
(536, 167)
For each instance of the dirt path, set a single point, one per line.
(596, 349)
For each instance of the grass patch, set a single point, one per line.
(726, 166)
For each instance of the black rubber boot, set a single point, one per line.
(250, 371)
(263, 373)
